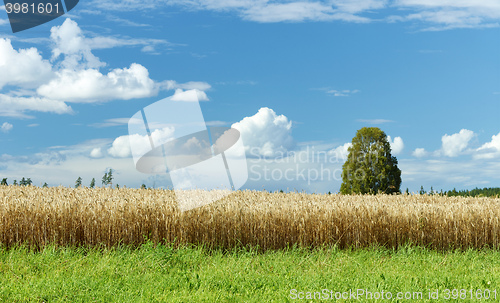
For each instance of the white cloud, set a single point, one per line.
(397, 145)
(489, 150)
(149, 45)
(193, 95)
(342, 151)
(265, 133)
(17, 106)
(171, 84)
(342, 93)
(295, 12)
(259, 10)
(420, 152)
(6, 127)
(117, 122)
(124, 146)
(96, 153)
(75, 76)
(449, 14)
(458, 143)
(121, 145)
(149, 49)
(374, 121)
(356, 6)
(90, 85)
(70, 42)
(434, 14)
(475, 5)
(453, 145)
(25, 68)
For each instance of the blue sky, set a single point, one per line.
(294, 76)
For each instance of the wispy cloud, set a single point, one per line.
(374, 121)
(18, 106)
(126, 22)
(116, 122)
(438, 15)
(217, 123)
(6, 127)
(342, 93)
(432, 14)
(242, 82)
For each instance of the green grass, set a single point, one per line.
(166, 274)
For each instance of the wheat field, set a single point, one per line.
(106, 217)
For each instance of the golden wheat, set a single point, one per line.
(103, 216)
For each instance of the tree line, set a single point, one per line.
(107, 179)
(476, 192)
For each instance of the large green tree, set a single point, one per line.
(370, 167)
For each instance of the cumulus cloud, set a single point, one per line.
(397, 145)
(420, 152)
(266, 133)
(138, 145)
(489, 150)
(458, 144)
(25, 68)
(70, 42)
(6, 127)
(193, 95)
(453, 145)
(121, 145)
(74, 75)
(89, 85)
(96, 153)
(342, 151)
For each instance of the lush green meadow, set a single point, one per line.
(168, 274)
